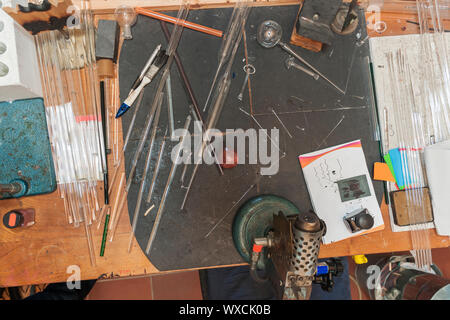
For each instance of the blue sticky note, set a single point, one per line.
(396, 160)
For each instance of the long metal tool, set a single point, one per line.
(166, 189)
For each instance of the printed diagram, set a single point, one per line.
(354, 188)
(327, 173)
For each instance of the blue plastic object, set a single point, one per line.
(25, 153)
(123, 108)
(322, 269)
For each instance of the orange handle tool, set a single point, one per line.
(187, 24)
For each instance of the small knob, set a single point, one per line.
(364, 221)
(308, 222)
(11, 188)
(13, 219)
(289, 62)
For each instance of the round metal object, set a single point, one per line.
(249, 68)
(308, 222)
(269, 34)
(255, 219)
(21, 188)
(364, 221)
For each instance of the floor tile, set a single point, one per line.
(441, 258)
(357, 291)
(122, 289)
(177, 286)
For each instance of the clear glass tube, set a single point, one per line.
(173, 44)
(166, 190)
(70, 86)
(156, 171)
(144, 176)
(117, 199)
(233, 30)
(222, 88)
(411, 142)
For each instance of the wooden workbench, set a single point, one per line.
(42, 253)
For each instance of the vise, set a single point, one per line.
(25, 152)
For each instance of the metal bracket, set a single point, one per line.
(315, 19)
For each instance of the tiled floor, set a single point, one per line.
(173, 286)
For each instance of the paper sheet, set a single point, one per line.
(437, 162)
(326, 172)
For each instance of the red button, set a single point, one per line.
(12, 220)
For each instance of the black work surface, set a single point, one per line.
(311, 110)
